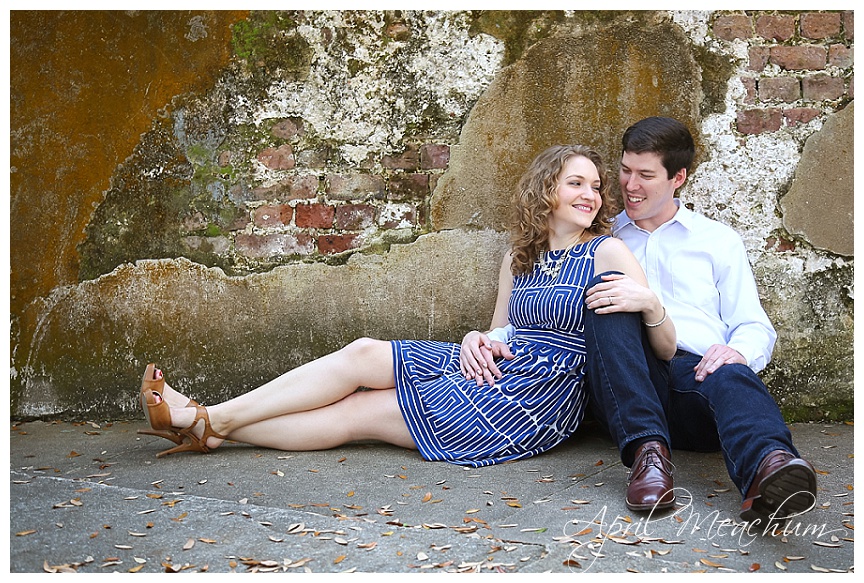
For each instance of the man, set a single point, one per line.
(708, 397)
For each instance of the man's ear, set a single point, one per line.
(679, 178)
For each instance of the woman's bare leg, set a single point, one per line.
(327, 380)
(365, 415)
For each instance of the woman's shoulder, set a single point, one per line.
(611, 250)
(608, 244)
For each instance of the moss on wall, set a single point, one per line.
(137, 135)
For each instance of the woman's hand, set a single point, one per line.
(477, 357)
(620, 293)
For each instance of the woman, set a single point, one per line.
(452, 402)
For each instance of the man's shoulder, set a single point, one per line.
(698, 222)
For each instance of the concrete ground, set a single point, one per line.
(92, 498)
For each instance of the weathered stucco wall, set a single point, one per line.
(231, 195)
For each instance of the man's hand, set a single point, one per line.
(715, 357)
(477, 357)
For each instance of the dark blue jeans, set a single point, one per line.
(636, 396)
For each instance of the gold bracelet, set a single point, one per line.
(658, 323)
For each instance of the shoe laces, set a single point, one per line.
(652, 457)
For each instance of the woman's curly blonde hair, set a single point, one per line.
(537, 197)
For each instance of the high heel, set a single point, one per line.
(156, 411)
(150, 384)
(190, 441)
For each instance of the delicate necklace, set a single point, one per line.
(551, 268)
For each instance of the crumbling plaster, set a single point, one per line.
(426, 83)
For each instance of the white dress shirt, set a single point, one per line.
(700, 271)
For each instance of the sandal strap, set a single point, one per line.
(202, 415)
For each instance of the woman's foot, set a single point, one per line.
(172, 397)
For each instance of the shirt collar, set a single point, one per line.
(684, 216)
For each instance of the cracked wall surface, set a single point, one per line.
(242, 192)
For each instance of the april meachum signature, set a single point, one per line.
(689, 521)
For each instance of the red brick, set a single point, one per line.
(849, 24)
(434, 156)
(778, 27)
(194, 222)
(355, 186)
(287, 129)
(354, 217)
(757, 121)
(786, 89)
(408, 160)
(800, 115)
(840, 56)
(300, 187)
(820, 87)
(312, 158)
(398, 216)
(732, 26)
(759, 57)
(799, 57)
(820, 25)
(290, 188)
(398, 31)
(272, 215)
(315, 216)
(408, 186)
(281, 158)
(328, 244)
(780, 244)
(749, 90)
(264, 246)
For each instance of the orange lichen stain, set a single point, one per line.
(84, 86)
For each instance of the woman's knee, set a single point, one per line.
(365, 347)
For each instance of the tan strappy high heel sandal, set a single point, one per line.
(192, 442)
(153, 385)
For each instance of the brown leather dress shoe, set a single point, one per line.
(650, 484)
(784, 486)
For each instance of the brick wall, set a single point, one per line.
(313, 212)
(800, 65)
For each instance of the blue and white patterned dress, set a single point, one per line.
(540, 399)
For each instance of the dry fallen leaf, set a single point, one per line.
(189, 544)
(820, 569)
